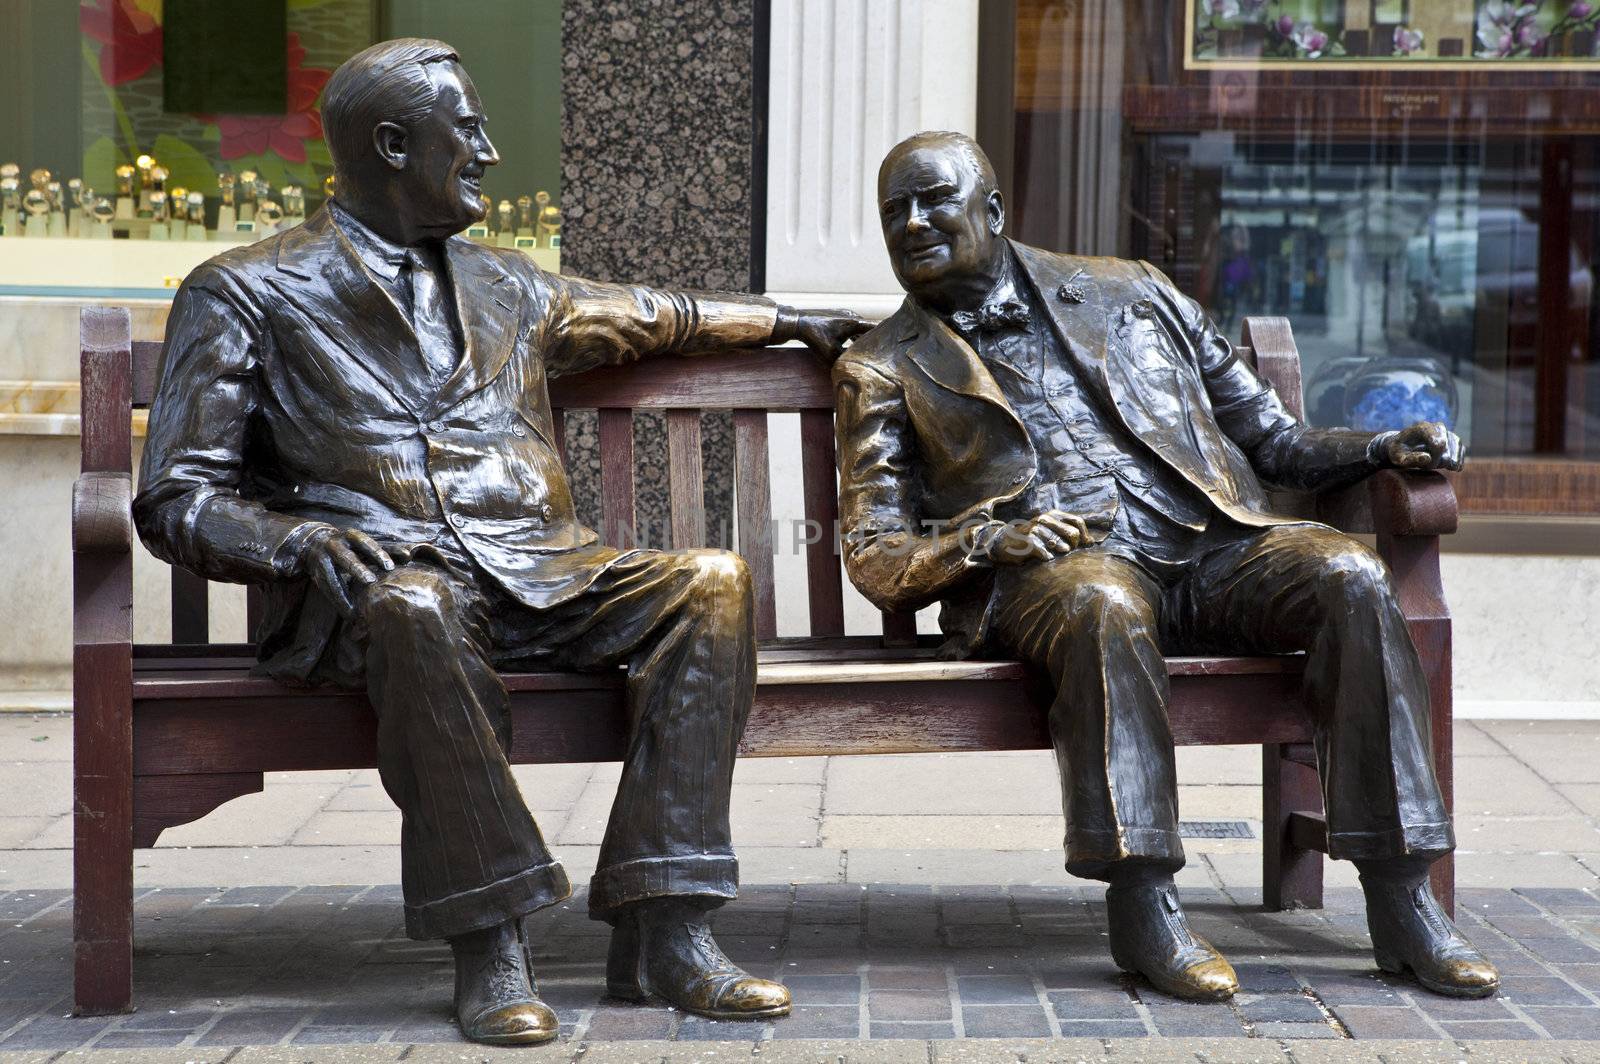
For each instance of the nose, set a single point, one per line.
(917, 220)
(486, 155)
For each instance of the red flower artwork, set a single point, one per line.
(130, 39)
(285, 134)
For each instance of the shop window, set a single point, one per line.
(1414, 183)
(175, 127)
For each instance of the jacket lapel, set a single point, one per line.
(488, 306)
(1077, 308)
(947, 358)
(352, 309)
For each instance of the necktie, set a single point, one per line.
(992, 317)
(430, 317)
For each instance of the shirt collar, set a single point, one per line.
(376, 254)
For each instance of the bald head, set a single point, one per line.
(942, 219)
(958, 146)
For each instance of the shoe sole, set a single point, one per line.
(638, 997)
(529, 1039)
(1404, 970)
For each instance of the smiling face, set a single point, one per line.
(446, 153)
(941, 226)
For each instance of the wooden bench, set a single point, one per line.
(164, 734)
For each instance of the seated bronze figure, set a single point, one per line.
(1065, 453)
(353, 415)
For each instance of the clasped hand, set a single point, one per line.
(341, 562)
(1049, 535)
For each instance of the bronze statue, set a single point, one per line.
(1065, 453)
(353, 415)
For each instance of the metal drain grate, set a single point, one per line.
(1215, 829)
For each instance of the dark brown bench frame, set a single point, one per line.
(163, 734)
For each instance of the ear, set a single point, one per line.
(995, 207)
(389, 139)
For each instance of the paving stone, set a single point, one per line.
(1565, 1022)
(1562, 949)
(1287, 1008)
(629, 1023)
(55, 1032)
(997, 990)
(702, 1029)
(1448, 1008)
(1193, 1018)
(253, 1027)
(903, 977)
(1537, 990)
(1103, 1028)
(1490, 1029)
(126, 1039)
(1005, 1021)
(908, 1005)
(819, 1021)
(824, 989)
(1093, 1005)
(103, 1054)
(912, 1029)
(1368, 1021)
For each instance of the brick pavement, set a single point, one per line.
(317, 966)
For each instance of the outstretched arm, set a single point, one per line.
(1284, 450)
(594, 323)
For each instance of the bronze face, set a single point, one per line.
(440, 159)
(941, 221)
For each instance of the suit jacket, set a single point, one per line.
(927, 443)
(293, 393)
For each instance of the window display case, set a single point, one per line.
(1430, 228)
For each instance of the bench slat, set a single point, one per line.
(617, 514)
(753, 490)
(685, 479)
(818, 467)
(772, 378)
(326, 729)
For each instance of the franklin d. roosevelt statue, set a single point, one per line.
(1094, 455)
(353, 414)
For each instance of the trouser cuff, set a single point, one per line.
(1090, 854)
(707, 875)
(505, 899)
(1422, 840)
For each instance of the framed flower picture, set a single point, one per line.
(1436, 34)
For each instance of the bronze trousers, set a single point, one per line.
(471, 854)
(1098, 624)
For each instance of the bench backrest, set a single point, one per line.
(751, 384)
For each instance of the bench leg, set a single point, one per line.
(102, 835)
(1291, 873)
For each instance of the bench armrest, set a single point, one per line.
(1393, 502)
(102, 514)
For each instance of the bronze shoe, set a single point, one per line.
(1150, 936)
(496, 1002)
(662, 948)
(1411, 933)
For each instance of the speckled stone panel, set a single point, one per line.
(657, 132)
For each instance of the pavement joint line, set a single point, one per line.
(1329, 1017)
(1540, 776)
(1050, 1016)
(958, 1021)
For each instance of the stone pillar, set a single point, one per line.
(850, 78)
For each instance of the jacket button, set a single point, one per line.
(546, 512)
(1020, 478)
(455, 519)
(1144, 309)
(436, 426)
(518, 431)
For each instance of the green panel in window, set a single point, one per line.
(225, 57)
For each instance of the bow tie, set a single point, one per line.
(992, 317)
